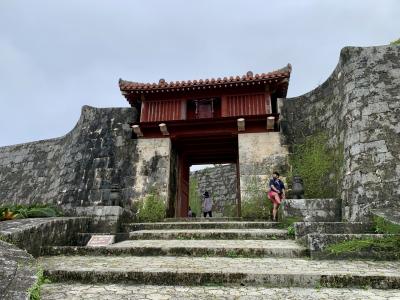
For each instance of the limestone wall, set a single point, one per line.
(221, 183)
(153, 167)
(95, 163)
(358, 107)
(260, 154)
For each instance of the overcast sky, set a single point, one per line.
(56, 56)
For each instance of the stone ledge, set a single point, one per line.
(317, 243)
(313, 210)
(227, 248)
(390, 214)
(304, 228)
(17, 272)
(32, 234)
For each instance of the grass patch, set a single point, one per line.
(288, 223)
(34, 291)
(385, 245)
(382, 225)
(231, 253)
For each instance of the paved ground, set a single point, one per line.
(108, 292)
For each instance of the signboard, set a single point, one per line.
(101, 240)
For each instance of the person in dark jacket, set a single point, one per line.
(276, 193)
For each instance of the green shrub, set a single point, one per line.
(151, 209)
(257, 208)
(255, 203)
(396, 42)
(29, 211)
(194, 197)
(319, 166)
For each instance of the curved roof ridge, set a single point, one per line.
(125, 85)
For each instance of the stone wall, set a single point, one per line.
(221, 182)
(153, 167)
(32, 234)
(18, 272)
(358, 107)
(260, 154)
(94, 164)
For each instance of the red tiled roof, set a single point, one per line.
(162, 85)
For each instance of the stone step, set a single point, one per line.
(69, 291)
(230, 248)
(304, 228)
(273, 272)
(209, 234)
(318, 244)
(201, 219)
(199, 225)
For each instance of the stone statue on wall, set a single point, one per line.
(297, 188)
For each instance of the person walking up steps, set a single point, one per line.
(207, 205)
(276, 193)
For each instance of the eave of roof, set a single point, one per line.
(128, 87)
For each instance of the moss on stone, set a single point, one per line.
(34, 291)
(318, 165)
(387, 245)
(384, 226)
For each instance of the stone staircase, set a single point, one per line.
(209, 259)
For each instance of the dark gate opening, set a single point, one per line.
(195, 150)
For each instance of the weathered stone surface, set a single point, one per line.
(391, 215)
(312, 210)
(17, 272)
(318, 242)
(260, 154)
(93, 164)
(124, 292)
(304, 228)
(282, 272)
(153, 167)
(32, 234)
(230, 248)
(209, 234)
(200, 225)
(358, 107)
(103, 218)
(221, 182)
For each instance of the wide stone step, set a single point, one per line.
(318, 244)
(209, 234)
(67, 291)
(199, 225)
(274, 272)
(304, 228)
(201, 219)
(230, 248)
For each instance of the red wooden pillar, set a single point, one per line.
(183, 187)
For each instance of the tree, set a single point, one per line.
(396, 42)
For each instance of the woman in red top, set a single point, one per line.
(276, 193)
